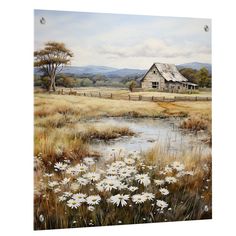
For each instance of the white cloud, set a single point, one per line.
(125, 41)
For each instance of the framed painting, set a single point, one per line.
(122, 119)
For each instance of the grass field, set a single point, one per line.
(71, 191)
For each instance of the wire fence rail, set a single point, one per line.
(134, 97)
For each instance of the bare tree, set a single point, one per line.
(51, 60)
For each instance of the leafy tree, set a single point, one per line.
(131, 85)
(203, 78)
(86, 82)
(51, 60)
(69, 82)
(45, 82)
(190, 74)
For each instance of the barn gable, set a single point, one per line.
(169, 72)
(153, 78)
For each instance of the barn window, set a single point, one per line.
(178, 87)
(155, 84)
(154, 72)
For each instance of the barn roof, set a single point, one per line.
(168, 72)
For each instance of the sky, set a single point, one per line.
(125, 41)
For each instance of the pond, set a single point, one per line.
(150, 132)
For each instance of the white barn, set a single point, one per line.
(165, 77)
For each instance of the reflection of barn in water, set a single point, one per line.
(165, 77)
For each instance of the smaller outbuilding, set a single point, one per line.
(166, 77)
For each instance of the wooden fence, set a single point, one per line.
(135, 97)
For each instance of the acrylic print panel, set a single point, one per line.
(122, 119)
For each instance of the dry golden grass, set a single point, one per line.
(54, 144)
(195, 124)
(89, 107)
(56, 138)
(104, 133)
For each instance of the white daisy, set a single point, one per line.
(93, 199)
(57, 190)
(52, 184)
(89, 161)
(80, 197)
(82, 181)
(161, 204)
(131, 169)
(168, 169)
(178, 166)
(101, 186)
(119, 199)
(123, 172)
(164, 191)
(112, 177)
(110, 184)
(112, 170)
(159, 182)
(71, 171)
(143, 179)
(60, 166)
(133, 188)
(122, 186)
(72, 203)
(129, 161)
(62, 198)
(180, 174)
(65, 181)
(118, 164)
(81, 168)
(170, 180)
(93, 176)
(138, 198)
(67, 194)
(41, 218)
(148, 196)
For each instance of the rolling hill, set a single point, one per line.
(114, 72)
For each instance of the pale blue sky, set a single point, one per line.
(125, 41)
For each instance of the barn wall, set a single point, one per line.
(153, 76)
(175, 87)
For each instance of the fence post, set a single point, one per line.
(163, 98)
(85, 94)
(99, 94)
(111, 95)
(196, 98)
(152, 98)
(129, 97)
(140, 97)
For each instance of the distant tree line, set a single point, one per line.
(73, 81)
(200, 77)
